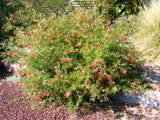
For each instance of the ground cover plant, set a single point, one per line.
(76, 59)
(147, 37)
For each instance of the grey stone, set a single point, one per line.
(148, 98)
(151, 76)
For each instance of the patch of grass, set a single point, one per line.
(147, 38)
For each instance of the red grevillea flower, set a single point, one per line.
(109, 22)
(18, 73)
(85, 71)
(156, 98)
(33, 55)
(73, 33)
(65, 59)
(95, 63)
(90, 10)
(99, 48)
(68, 94)
(134, 93)
(28, 73)
(44, 94)
(132, 61)
(85, 91)
(101, 84)
(62, 59)
(69, 60)
(84, 16)
(100, 78)
(95, 70)
(24, 61)
(58, 77)
(110, 29)
(100, 73)
(102, 65)
(40, 24)
(92, 24)
(86, 82)
(72, 73)
(110, 77)
(110, 82)
(40, 97)
(80, 9)
(117, 33)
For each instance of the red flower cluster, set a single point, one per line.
(65, 60)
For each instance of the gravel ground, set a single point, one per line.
(15, 105)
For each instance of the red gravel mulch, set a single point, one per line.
(15, 105)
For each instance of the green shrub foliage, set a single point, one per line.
(76, 59)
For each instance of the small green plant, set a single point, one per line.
(14, 100)
(118, 114)
(76, 59)
(128, 117)
(34, 106)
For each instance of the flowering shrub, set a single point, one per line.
(76, 59)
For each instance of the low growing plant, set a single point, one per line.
(76, 59)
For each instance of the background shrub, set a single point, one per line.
(47, 7)
(6, 8)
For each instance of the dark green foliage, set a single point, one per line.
(47, 7)
(113, 9)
